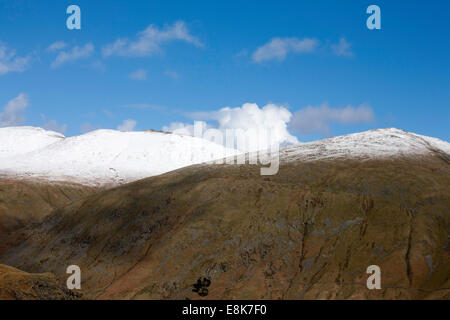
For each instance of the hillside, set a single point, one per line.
(19, 285)
(24, 203)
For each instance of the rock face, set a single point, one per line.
(308, 232)
(19, 285)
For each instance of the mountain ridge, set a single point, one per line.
(109, 157)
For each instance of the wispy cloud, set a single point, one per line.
(172, 74)
(278, 48)
(56, 46)
(342, 48)
(242, 53)
(127, 125)
(150, 40)
(54, 126)
(318, 119)
(99, 66)
(145, 106)
(139, 75)
(10, 62)
(109, 114)
(74, 54)
(14, 111)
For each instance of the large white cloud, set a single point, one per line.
(278, 48)
(267, 125)
(10, 62)
(150, 40)
(14, 111)
(318, 119)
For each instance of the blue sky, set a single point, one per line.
(351, 78)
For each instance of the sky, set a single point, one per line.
(308, 69)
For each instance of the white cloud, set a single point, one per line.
(278, 48)
(74, 54)
(140, 75)
(54, 126)
(10, 62)
(56, 46)
(13, 114)
(184, 128)
(318, 119)
(268, 123)
(342, 48)
(172, 74)
(150, 40)
(127, 125)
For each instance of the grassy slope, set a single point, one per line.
(309, 232)
(19, 285)
(23, 203)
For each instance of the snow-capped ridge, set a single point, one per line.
(15, 141)
(377, 143)
(108, 156)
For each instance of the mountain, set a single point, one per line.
(100, 157)
(16, 141)
(373, 144)
(335, 207)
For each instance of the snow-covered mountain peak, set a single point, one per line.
(103, 156)
(15, 141)
(378, 143)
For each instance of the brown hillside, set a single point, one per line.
(19, 285)
(308, 232)
(23, 203)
